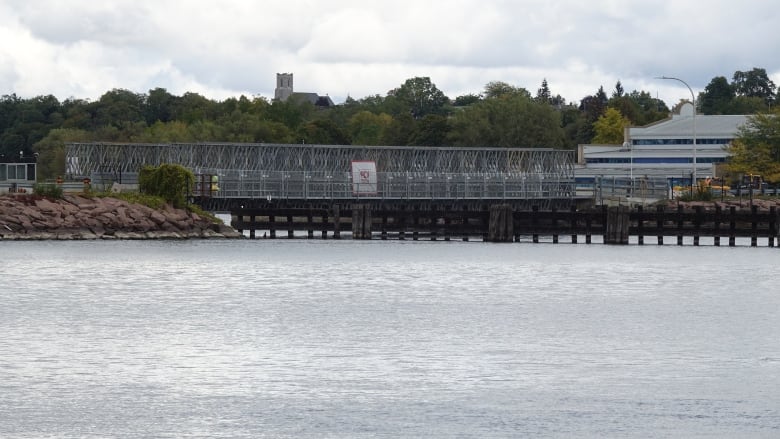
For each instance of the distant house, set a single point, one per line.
(284, 91)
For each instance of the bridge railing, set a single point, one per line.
(389, 185)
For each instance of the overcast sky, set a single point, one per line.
(83, 48)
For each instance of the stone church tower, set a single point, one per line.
(284, 86)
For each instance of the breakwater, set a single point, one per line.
(31, 217)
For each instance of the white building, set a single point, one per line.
(664, 149)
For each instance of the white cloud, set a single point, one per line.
(82, 48)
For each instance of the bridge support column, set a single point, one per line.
(617, 225)
(361, 221)
(501, 224)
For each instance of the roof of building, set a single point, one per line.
(677, 125)
(314, 98)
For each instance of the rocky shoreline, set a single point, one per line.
(32, 217)
(761, 204)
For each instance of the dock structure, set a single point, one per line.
(501, 223)
(490, 194)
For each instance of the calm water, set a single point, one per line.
(318, 339)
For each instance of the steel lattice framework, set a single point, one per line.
(87, 158)
(254, 169)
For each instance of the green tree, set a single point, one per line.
(507, 121)
(465, 100)
(421, 96)
(51, 151)
(592, 107)
(170, 132)
(497, 89)
(432, 130)
(755, 83)
(23, 122)
(610, 127)
(543, 94)
(158, 106)
(400, 131)
(323, 132)
(292, 113)
(756, 150)
(77, 114)
(172, 182)
(367, 128)
(119, 107)
(618, 92)
(747, 105)
(192, 107)
(717, 97)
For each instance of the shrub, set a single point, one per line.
(169, 181)
(49, 190)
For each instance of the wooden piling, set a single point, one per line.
(697, 220)
(617, 225)
(680, 224)
(732, 226)
(753, 226)
(716, 224)
(640, 222)
(573, 223)
(501, 223)
(336, 221)
(361, 221)
(535, 224)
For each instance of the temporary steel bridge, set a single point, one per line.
(256, 173)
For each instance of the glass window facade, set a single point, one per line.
(704, 141)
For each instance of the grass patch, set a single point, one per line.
(156, 202)
(194, 208)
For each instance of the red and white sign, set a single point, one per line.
(364, 177)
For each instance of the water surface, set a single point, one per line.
(299, 338)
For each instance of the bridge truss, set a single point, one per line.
(323, 171)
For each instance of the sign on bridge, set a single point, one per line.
(364, 180)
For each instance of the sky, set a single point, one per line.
(220, 49)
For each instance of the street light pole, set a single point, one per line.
(693, 101)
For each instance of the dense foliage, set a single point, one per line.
(169, 181)
(49, 190)
(414, 113)
(757, 148)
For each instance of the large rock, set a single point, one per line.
(79, 217)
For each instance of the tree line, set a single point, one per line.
(414, 113)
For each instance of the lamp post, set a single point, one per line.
(693, 101)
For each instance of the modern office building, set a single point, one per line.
(664, 149)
